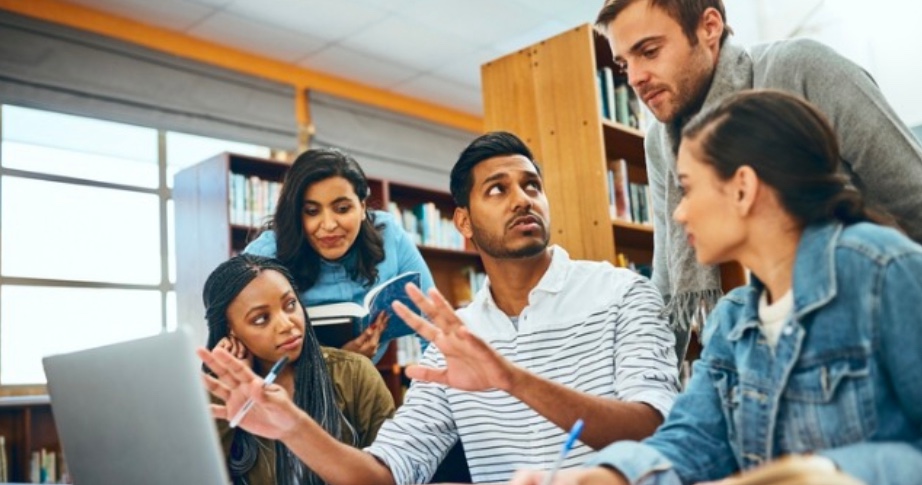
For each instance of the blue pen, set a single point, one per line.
(270, 378)
(567, 446)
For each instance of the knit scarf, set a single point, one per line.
(691, 290)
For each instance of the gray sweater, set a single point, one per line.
(880, 155)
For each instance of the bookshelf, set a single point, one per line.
(27, 425)
(208, 232)
(550, 95)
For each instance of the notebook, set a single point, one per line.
(136, 413)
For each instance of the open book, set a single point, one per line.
(338, 323)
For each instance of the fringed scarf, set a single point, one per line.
(689, 289)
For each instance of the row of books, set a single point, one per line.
(47, 467)
(623, 261)
(251, 200)
(619, 102)
(427, 227)
(627, 201)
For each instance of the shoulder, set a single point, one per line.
(798, 58)
(876, 242)
(345, 363)
(264, 245)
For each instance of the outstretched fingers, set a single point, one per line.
(434, 306)
(428, 374)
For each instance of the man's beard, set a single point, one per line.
(493, 246)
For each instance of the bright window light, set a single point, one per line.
(40, 321)
(70, 232)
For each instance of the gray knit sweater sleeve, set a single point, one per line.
(656, 176)
(879, 152)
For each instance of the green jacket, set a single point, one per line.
(360, 394)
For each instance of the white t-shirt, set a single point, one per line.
(773, 316)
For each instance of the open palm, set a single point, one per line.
(470, 364)
(273, 413)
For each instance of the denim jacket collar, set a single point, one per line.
(814, 277)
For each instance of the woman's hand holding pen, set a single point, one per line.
(470, 364)
(273, 415)
(367, 342)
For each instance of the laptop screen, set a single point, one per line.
(136, 413)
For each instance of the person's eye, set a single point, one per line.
(651, 53)
(311, 211)
(260, 319)
(535, 186)
(344, 208)
(495, 190)
(292, 304)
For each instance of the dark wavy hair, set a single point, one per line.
(792, 148)
(294, 251)
(313, 386)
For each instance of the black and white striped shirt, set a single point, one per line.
(588, 325)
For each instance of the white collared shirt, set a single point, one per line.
(588, 325)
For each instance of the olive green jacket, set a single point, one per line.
(360, 394)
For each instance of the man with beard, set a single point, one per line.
(539, 347)
(678, 60)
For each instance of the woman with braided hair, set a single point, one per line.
(252, 310)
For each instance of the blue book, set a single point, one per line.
(338, 323)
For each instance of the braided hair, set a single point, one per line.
(313, 386)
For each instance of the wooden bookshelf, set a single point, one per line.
(548, 94)
(205, 236)
(27, 424)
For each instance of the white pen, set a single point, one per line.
(567, 445)
(270, 378)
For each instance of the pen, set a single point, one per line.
(270, 378)
(567, 445)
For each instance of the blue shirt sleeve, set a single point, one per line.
(264, 245)
(692, 445)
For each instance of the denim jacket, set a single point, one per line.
(844, 381)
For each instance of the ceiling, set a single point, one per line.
(433, 49)
(426, 49)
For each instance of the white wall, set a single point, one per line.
(885, 38)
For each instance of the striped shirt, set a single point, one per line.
(588, 326)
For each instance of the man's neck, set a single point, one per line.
(511, 280)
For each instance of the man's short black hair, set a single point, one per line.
(484, 147)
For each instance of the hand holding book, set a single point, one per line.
(368, 342)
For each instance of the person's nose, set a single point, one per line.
(679, 214)
(328, 221)
(522, 200)
(637, 76)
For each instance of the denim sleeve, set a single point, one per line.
(900, 334)
(692, 445)
(264, 245)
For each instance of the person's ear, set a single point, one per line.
(462, 220)
(745, 188)
(711, 27)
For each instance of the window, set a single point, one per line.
(84, 258)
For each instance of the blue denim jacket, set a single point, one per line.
(334, 283)
(845, 380)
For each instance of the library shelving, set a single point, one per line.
(27, 427)
(212, 224)
(551, 95)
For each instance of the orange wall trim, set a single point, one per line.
(189, 47)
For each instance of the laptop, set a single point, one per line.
(136, 413)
